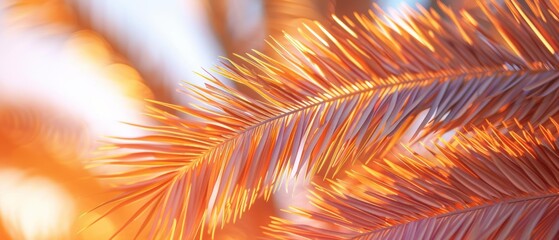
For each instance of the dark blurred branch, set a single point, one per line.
(348, 7)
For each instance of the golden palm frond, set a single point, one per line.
(331, 97)
(484, 185)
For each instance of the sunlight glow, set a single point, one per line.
(171, 36)
(65, 75)
(33, 207)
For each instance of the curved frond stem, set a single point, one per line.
(486, 184)
(543, 207)
(335, 94)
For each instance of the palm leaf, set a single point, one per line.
(488, 185)
(331, 97)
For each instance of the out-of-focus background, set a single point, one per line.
(71, 71)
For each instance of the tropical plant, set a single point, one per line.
(354, 92)
(490, 184)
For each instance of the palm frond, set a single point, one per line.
(330, 97)
(487, 185)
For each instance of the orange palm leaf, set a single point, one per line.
(330, 97)
(492, 185)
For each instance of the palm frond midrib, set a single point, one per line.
(435, 76)
(511, 200)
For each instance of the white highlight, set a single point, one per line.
(34, 207)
